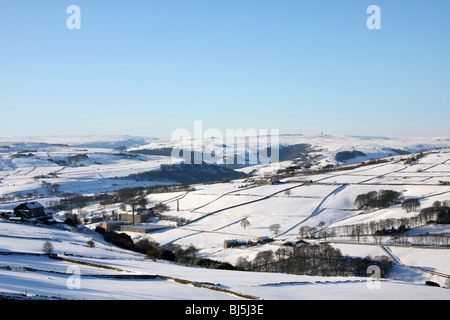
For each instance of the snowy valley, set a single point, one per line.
(260, 222)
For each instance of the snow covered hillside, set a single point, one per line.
(304, 148)
(104, 272)
(93, 164)
(286, 203)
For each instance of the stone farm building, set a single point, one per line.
(30, 210)
(233, 243)
(146, 228)
(113, 225)
(126, 226)
(142, 215)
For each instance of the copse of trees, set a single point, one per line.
(122, 240)
(130, 195)
(306, 231)
(145, 245)
(411, 204)
(347, 155)
(377, 199)
(439, 212)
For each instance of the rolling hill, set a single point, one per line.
(321, 197)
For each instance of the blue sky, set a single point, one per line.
(148, 67)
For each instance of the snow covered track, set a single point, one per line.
(391, 255)
(397, 261)
(316, 211)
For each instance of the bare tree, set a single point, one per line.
(90, 243)
(47, 248)
(262, 260)
(243, 264)
(275, 228)
(245, 223)
(357, 231)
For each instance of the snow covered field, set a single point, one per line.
(130, 276)
(216, 212)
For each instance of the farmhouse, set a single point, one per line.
(263, 181)
(93, 219)
(233, 243)
(30, 210)
(113, 225)
(264, 239)
(266, 181)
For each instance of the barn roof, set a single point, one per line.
(30, 206)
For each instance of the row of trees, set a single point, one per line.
(184, 255)
(51, 188)
(312, 259)
(274, 228)
(20, 197)
(383, 199)
(126, 196)
(152, 250)
(438, 213)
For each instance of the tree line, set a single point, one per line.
(152, 250)
(438, 213)
(312, 259)
(306, 259)
(126, 196)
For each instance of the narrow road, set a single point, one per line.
(317, 210)
(391, 255)
(397, 261)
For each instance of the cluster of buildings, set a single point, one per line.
(240, 243)
(266, 181)
(126, 222)
(262, 240)
(133, 222)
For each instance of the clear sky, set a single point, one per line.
(148, 67)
